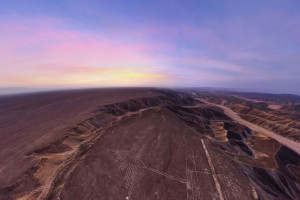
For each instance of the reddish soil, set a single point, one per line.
(32, 121)
(136, 144)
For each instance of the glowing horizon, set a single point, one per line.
(195, 44)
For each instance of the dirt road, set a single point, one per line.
(233, 115)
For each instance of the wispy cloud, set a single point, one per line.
(179, 44)
(48, 54)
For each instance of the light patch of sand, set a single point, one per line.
(274, 106)
(219, 132)
(32, 195)
(233, 115)
(259, 136)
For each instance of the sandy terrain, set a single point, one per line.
(289, 143)
(274, 106)
(31, 121)
(137, 144)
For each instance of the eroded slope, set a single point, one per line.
(168, 146)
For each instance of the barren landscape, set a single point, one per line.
(144, 143)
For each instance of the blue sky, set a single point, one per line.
(252, 45)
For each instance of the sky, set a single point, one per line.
(252, 45)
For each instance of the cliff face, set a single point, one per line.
(166, 145)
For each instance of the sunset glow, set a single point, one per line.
(197, 44)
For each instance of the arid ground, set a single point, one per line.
(144, 143)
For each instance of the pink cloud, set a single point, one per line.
(37, 52)
(45, 49)
(37, 47)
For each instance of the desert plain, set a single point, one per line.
(149, 143)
